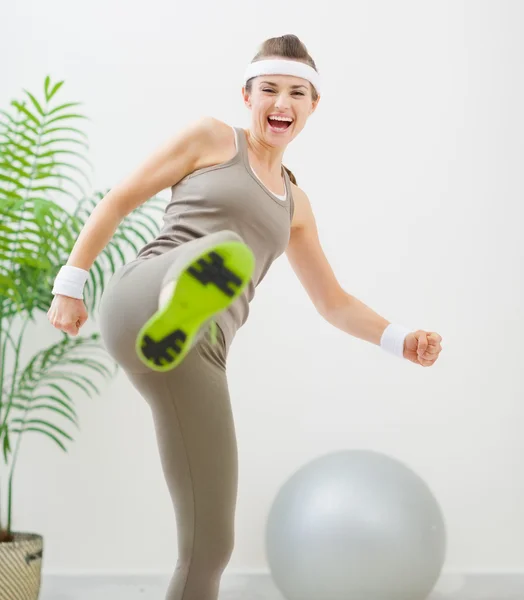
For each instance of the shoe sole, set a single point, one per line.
(206, 287)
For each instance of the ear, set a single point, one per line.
(314, 105)
(246, 97)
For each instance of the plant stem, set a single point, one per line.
(15, 371)
(3, 351)
(9, 406)
(2, 360)
(10, 493)
(15, 454)
(2, 370)
(1, 526)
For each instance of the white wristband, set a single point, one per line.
(70, 282)
(392, 339)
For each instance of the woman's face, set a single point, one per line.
(288, 98)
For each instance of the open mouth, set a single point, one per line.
(279, 124)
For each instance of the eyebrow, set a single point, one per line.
(293, 87)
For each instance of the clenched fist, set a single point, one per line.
(67, 314)
(423, 347)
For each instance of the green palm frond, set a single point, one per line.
(43, 207)
(34, 241)
(136, 229)
(31, 150)
(36, 232)
(42, 390)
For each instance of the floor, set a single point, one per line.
(260, 587)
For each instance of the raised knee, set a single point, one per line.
(232, 235)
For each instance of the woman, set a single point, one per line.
(234, 209)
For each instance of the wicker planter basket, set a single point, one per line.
(21, 567)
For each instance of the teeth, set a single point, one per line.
(288, 119)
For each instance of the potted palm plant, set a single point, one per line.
(43, 206)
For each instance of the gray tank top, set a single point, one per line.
(228, 196)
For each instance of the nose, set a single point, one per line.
(282, 101)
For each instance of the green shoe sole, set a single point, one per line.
(206, 287)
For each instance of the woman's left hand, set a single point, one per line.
(422, 347)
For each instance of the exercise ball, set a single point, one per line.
(355, 525)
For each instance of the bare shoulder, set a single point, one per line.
(303, 213)
(204, 130)
(217, 128)
(209, 129)
(216, 141)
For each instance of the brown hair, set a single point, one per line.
(285, 46)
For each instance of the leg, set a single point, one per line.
(197, 443)
(142, 336)
(193, 421)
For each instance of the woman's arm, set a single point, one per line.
(342, 310)
(165, 167)
(307, 258)
(169, 164)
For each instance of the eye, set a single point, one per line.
(295, 93)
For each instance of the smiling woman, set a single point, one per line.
(285, 54)
(170, 316)
(286, 47)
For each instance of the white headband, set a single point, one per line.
(283, 67)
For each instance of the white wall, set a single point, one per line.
(414, 165)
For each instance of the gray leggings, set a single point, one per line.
(194, 426)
